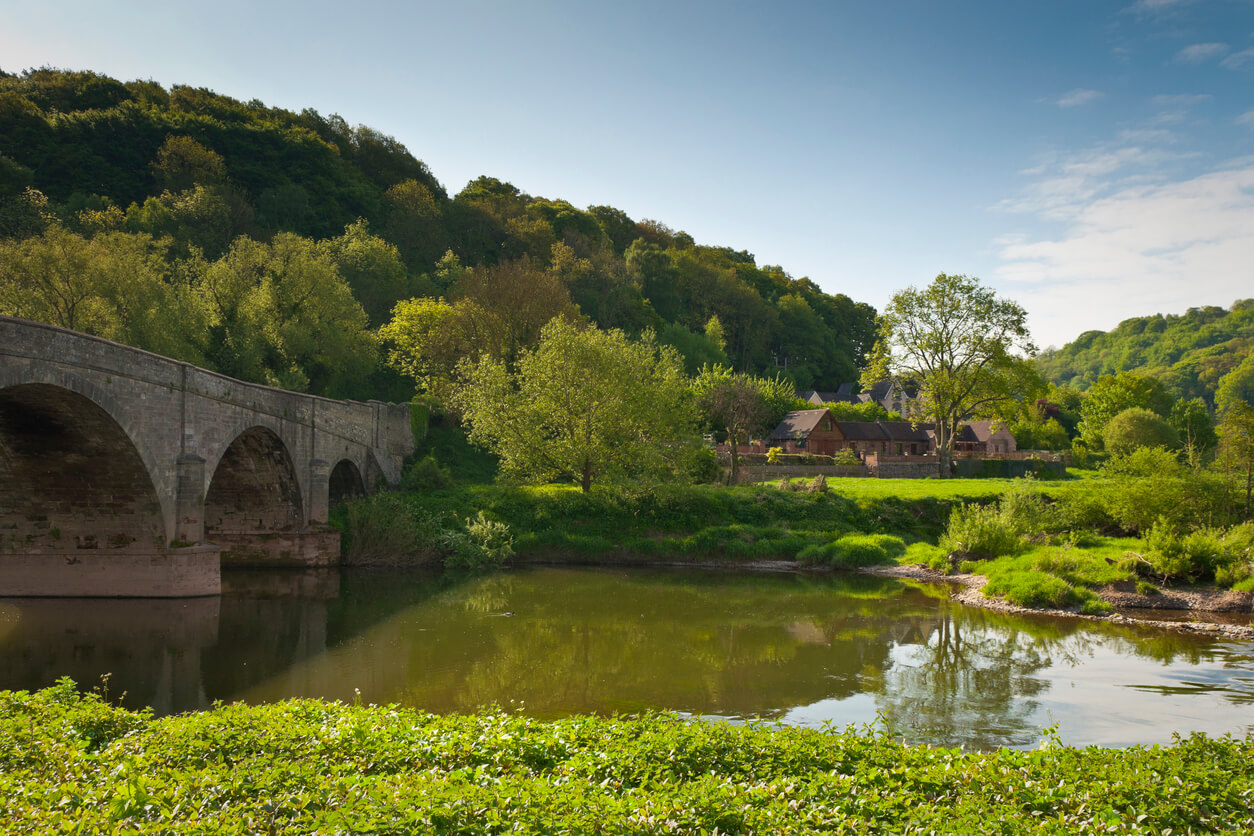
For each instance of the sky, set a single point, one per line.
(1091, 160)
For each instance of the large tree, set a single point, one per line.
(584, 405)
(958, 341)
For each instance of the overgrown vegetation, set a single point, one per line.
(73, 763)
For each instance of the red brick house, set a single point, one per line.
(988, 437)
(807, 431)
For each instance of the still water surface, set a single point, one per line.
(798, 649)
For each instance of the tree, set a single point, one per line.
(740, 404)
(1137, 427)
(584, 405)
(957, 339)
(1237, 386)
(1193, 423)
(1236, 446)
(1112, 394)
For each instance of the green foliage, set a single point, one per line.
(426, 474)
(1136, 427)
(387, 530)
(1222, 556)
(959, 342)
(482, 544)
(1032, 589)
(1189, 353)
(306, 766)
(854, 550)
(980, 531)
(586, 404)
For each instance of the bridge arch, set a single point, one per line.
(72, 477)
(253, 488)
(346, 483)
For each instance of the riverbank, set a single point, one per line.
(967, 589)
(74, 762)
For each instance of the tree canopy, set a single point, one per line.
(584, 405)
(957, 341)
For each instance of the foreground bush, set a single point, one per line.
(74, 764)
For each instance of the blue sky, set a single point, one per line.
(1092, 160)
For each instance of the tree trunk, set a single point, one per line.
(586, 481)
(735, 458)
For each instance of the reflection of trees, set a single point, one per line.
(968, 682)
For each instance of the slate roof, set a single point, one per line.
(862, 430)
(798, 423)
(906, 431)
(982, 431)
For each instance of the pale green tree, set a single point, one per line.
(585, 405)
(962, 345)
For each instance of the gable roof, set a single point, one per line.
(983, 431)
(799, 423)
(861, 430)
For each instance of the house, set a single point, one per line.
(807, 431)
(819, 398)
(988, 437)
(890, 394)
(907, 439)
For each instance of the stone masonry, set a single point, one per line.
(115, 457)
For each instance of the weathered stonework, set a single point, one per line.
(117, 452)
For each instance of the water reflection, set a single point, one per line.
(793, 648)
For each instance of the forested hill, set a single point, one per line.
(1192, 353)
(204, 194)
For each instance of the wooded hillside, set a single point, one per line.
(204, 227)
(1191, 354)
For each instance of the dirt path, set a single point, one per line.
(966, 590)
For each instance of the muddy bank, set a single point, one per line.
(1201, 602)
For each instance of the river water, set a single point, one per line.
(792, 648)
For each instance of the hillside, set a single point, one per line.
(199, 189)
(1190, 353)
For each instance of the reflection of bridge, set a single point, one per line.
(124, 473)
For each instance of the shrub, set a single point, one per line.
(980, 531)
(1033, 589)
(1023, 509)
(772, 455)
(1137, 427)
(817, 485)
(386, 530)
(426, 474)
(482, 544)
(854, 550)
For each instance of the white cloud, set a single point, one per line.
(1139, 250)
(1154, 5)
(1246, 118)
(1078, 97)
(1239, 59)
(1197, 53)
(1066, 186)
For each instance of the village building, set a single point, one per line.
(986, 437)
(807, 431)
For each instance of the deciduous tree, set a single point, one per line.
(958, 340)
(584, 405)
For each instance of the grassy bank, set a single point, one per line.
(665, 522)
(71, 763)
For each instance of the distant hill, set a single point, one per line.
(197, 171)
(1190, 353)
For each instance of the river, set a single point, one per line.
(799, 649)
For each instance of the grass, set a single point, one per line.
(73, 763)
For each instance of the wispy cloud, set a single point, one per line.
(1078, 97)
(1198, 53)
(1180, 99)
(1141, 249)
(1066, 185)
(1239, 59)
(1143, 7)
(1246, 118)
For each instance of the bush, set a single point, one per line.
(701, 466)
(426, 474)
(1034, 589)
(1137, 427)
(386, 530)
(854, 550)
(980, 531)
(482, 544)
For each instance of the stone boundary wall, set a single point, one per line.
(753, 474)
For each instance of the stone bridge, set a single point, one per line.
(125, 473)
